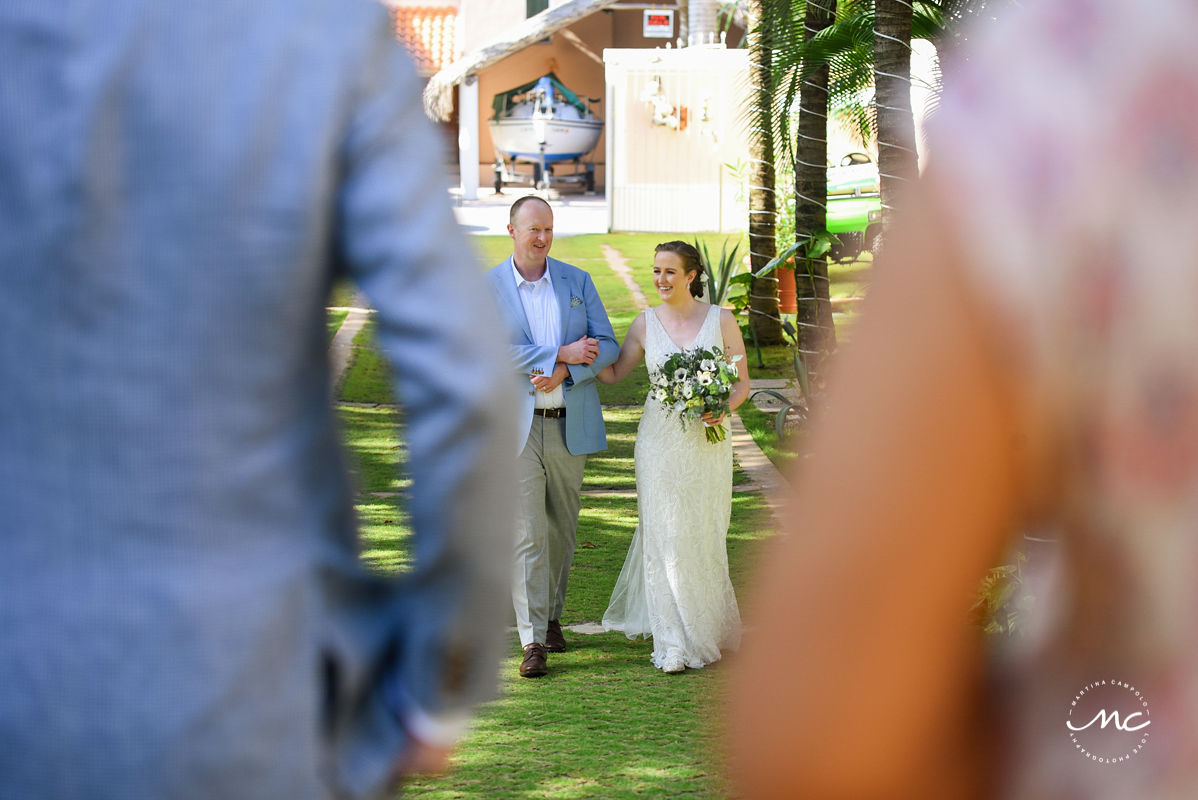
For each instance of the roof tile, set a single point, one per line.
(429, 34)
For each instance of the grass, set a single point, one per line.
(368, 378)
(761, 426)
(775, 362)
(606, 522)
(604, 723)
(343, 295)
(373, 439)
(371, 434)
(336, 316)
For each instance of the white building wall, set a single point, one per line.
(667, 179)
(483, 19)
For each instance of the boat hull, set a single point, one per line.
(565, 140)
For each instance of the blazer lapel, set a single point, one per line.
(511, 296)
(561, 288)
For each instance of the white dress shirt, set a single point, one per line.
(545, 322)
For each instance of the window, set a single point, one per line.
(534, 7)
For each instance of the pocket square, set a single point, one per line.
(575, 301)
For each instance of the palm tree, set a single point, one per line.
(764, 318)
(838, 63)
(869, 48)
(897, 164)
(816, 332)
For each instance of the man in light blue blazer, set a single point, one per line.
(560, 338)
(183, 613)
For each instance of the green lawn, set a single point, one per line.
(342, 295)
(335, 317)
(604, 723)
(368, 379)
(763, 428)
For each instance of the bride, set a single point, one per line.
(674, 585)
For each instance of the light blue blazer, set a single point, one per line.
(183, 613)
(582, 312)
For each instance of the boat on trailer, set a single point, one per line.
(545, 125)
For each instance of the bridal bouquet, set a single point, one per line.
(694, 382)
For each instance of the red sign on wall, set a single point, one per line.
(659, 23)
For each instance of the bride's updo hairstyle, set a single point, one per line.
(690, 262)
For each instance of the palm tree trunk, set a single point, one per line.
(764, 318)
(816, 332)
(897, 163)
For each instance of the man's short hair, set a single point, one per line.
(516, 206)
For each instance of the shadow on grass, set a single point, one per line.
(602, 724)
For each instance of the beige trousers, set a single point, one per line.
(550, 479)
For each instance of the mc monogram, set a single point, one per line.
(1113, 716)
(1121, 713)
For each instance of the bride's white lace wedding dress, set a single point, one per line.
(674, 585)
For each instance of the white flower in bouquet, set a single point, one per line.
(707, 365)
(680, 375)
(706, 378)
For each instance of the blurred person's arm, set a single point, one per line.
(861, 676)
(437, 326)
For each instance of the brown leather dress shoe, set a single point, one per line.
(555, 640)
(535, 663)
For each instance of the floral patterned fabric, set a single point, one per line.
(1067, 151)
